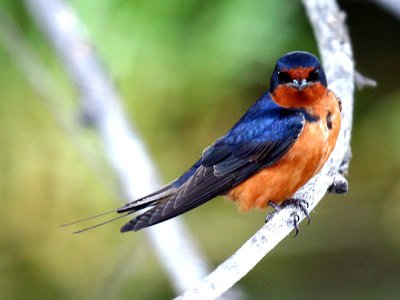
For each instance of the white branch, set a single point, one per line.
(335, 49)
(174, 246)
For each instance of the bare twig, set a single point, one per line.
(335, 49)
(126, 153)
(362, 81)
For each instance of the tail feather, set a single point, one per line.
(129, 208)
(101, 224)
(147, 201)
(202, 186)
(163, 211)
(143, 220)
(88, 218)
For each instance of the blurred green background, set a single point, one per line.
(186, 71)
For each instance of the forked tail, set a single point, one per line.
(128, 209)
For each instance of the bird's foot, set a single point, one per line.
(276, 208)
(298, 203)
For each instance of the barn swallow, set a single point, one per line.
(280, 143)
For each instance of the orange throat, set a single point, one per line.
(308, 98)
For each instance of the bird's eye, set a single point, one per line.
(314, 75)
(284, 77)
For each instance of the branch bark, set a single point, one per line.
(335, 49)
(176, 249)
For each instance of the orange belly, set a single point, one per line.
(306, 157)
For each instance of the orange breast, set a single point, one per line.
(303, 161)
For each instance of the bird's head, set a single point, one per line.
(298, 79)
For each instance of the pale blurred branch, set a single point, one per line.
(335, 49)
(392, 6)
(126, 153)
(52, 94)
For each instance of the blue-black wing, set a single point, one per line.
(259, 139)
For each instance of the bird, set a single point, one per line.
(274, 149)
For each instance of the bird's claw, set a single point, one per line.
(298, 203)
(296, 220)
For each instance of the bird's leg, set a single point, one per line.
(276, 208)
(298, 203)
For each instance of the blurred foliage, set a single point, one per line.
(187, 70)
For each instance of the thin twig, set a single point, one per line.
(176, 249)
(335, 49)
(362, 81)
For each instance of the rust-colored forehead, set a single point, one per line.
(300, 72)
